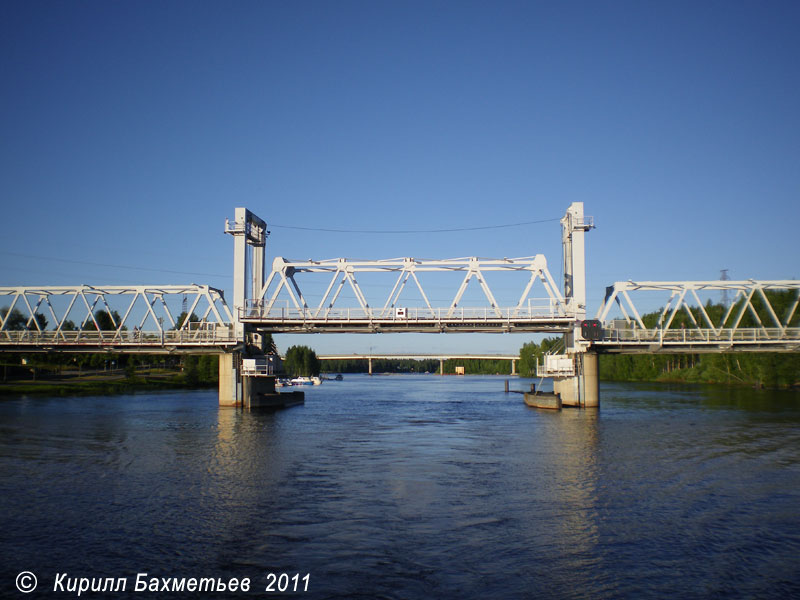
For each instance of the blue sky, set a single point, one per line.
(129, 131)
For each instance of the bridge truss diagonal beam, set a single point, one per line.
(762, 316)
(139, 316)
(283, 305)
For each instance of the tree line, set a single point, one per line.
(409, 365)
(759, 369)
(101, 319)
(194, 370)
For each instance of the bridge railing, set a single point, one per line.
(257, 311)
(755, 335)
(221, 335)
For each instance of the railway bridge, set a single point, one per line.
(328, 296)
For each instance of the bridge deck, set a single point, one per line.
(691, 340)
(155, 342)
(357, 320)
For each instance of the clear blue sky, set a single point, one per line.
(129, 131)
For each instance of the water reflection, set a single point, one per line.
(414, 487)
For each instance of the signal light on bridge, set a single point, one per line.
(591, 330)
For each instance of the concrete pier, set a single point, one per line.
(567, 388)
(248, 391)
(583, 389)
(229, 388)
(259, 392)
(591, 380)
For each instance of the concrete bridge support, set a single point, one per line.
(568, 390)
(246, 391)
(582, 389)
(591, 380)
(230, 387)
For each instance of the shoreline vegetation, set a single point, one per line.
(100, 374)
(62, 373)
(97, 374)
(96, 387)
(769, 370)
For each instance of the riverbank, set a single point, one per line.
(780, 371)
(102, 384)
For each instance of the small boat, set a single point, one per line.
(302, 381)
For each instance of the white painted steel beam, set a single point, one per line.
(146, 319)
(283, 306)
(771, 332)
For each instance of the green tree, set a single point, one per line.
(269, 344)
(191, 370)
(106, 321)
(208, 368)
(181, 320)
(532, 354)
(301, 361)
(757, 369)
(16, 320)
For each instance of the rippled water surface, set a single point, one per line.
(411, 487)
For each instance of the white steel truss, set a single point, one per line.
(768, 328)
(140, 316)
(282, 305)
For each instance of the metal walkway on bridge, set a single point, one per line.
(748, 316)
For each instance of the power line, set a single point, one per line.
(406, 231)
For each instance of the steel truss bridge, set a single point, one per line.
(550, 312)
(317, 297)
(750, 319)
(138, 319)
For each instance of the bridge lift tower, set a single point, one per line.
(577, 385)
(250, 238)
(581, 385)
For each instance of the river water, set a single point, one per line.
(410, 487)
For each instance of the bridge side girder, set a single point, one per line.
(727, 334)
(82, 301)
(264, 310)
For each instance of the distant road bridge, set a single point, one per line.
(440, 357)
